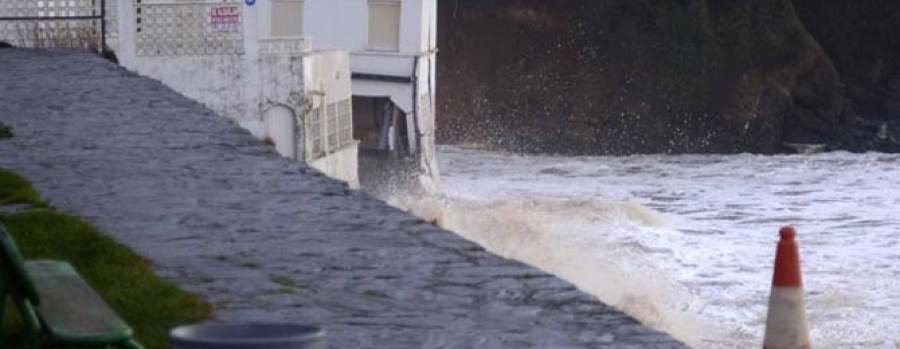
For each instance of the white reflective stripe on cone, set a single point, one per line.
(786, 326)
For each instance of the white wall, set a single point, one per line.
(330, 73)
(328, 81)
(342, 164)
(337, 24)
(227, 84)
(383, 63)
(400, 93)
(242, 86)
(281, 127)
(428, 12)
(344, 25)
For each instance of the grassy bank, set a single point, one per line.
(6, 131)
(16, 190)
(126, 281)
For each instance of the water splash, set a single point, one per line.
(685, 243)
(582, 240)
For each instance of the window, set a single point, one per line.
(329, 128)
(384, 25)
(345, 121)
(314, 129)
(332, 125)
(287, 18)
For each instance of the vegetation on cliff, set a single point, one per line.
(617, 76)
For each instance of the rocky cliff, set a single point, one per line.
(639, 76)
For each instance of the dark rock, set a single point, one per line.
(619, 76)
(862, 38)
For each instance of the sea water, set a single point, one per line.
(686, 243)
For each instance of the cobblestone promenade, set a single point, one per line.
(266, 239)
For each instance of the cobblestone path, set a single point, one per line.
(265, 239)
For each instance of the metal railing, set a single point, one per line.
(54, 23)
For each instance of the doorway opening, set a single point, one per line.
(386, 161)
(380, 125)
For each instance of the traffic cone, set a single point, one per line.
(786, 326)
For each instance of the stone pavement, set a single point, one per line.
(266, 239)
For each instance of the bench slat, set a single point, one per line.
(72, 310)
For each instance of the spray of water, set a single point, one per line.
(579, 240)
(703, 273)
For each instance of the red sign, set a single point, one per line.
(225, 18)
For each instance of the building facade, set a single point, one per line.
(392, 47)
(332, 83)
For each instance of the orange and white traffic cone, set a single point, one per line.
(786, 326)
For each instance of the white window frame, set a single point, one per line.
(382, 47)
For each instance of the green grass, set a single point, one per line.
(249, 264)
(5, 131)
(374, 294)
(16, 190)
(126, 281)
(283, 280)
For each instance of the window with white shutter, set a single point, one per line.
(287, 18)
(384, 25)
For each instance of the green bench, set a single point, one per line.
(56, 305)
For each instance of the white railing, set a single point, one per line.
(278, 45)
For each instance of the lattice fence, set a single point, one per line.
(345, 123)
(56, 23)
(335, 121)
(184, 28)
(286, 45)
(314, 130)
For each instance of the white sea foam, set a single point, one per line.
(685, 243)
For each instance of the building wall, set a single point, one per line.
(328, 87)
(344, 25)
(239, 73)
(247, 79)
(343, 164)
(226, 83)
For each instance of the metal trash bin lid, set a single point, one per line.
(248, 335)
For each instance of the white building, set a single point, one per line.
(392, 45)
(288, 70)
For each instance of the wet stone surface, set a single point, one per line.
(266, 239)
